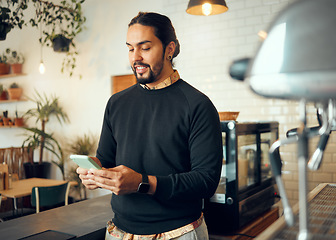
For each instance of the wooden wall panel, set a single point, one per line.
(122, 82)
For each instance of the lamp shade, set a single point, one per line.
(206, 7)
(298, 57)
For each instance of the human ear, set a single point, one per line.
(170, 49)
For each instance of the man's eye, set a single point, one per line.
(145, 49)
(131, 50)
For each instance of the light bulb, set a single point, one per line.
(206, 9)
(262, 34)
(42, 67)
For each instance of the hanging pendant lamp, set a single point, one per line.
(206, 7)
(41, 67)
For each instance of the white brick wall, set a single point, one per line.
(208, 46)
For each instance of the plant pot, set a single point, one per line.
(4, 29)
(14, 93)
(6, 121)
(61, 43)
(16, 68)
(18, 122)
(37, 170)
(4, 68)
(3, 95)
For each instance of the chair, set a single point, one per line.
(50, 197)
(15, 157)
(0, 206)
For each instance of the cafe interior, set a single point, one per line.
(267, 65)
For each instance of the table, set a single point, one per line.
(23, 188)
(85, 219)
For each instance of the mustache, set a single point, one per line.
(140, 64)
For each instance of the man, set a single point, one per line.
(160, 145)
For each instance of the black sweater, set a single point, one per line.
(172, 133)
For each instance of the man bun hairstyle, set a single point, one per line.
(163, 28)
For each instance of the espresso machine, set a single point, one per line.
(297, 61)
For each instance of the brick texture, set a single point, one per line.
(210, 44)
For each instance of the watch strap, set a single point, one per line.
(144, 178)
(144, 185)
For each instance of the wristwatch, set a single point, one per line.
(144, 185)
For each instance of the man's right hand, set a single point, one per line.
(85, 176)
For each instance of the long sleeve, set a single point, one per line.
(205, 144)
(171, 133)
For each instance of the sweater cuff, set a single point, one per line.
(164, 187)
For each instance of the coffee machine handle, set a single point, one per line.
(276, 164)
(327, 123)
(316, 160)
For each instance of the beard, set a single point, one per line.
(153, 73)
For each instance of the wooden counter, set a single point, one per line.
(85, 219)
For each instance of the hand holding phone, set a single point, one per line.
(84, 161)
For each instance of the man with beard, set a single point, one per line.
(160, 145)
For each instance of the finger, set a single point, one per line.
(89, 184)
(86, 176)
(108, 181)
(108, 187)
(80, 170)
(107, 173)
(88, 181)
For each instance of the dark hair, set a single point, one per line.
(163, 28)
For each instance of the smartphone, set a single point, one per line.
(85, 161)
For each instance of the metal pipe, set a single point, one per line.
(302, 165)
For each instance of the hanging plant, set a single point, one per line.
(63, 21)
(61, 43)
(60, 23)
(11, 15)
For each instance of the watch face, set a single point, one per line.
(143, 187)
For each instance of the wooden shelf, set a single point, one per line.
(12, 75)
(12, 100)
(11, 127)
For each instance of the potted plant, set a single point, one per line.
(14, 91)
(61, 24)
(39, 138)
(82, 145)
(5, 119)
(18, 121)
(3, 93)
(16, 60)
(11, 15)
(60, 43)
(4, 66)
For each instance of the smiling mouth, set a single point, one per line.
(141, 68)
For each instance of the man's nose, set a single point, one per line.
(137, 56)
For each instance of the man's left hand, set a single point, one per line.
(120, 180)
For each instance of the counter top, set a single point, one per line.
(79, 219)
(87, 220)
